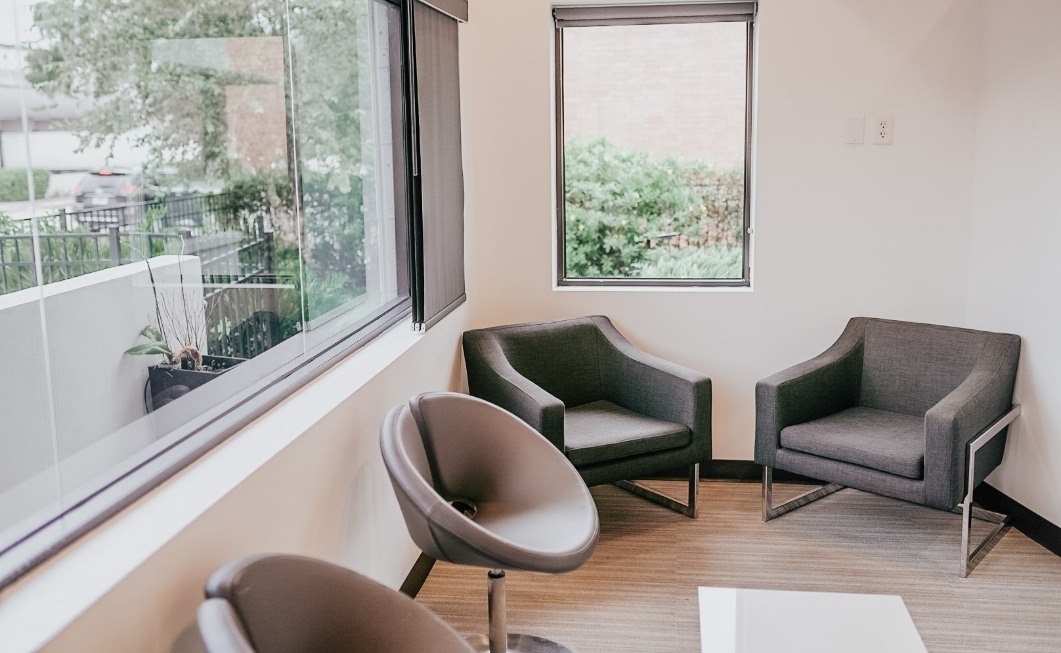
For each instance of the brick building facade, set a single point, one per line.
(670, 89)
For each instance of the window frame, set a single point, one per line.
(49, 531)
(561, 279)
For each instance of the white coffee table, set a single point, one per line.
(761, 621)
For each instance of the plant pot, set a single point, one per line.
(166, 383)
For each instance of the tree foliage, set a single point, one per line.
(105, 53)
(100, 51)
(624, 211)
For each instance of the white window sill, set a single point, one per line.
(38, 607)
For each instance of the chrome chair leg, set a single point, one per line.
(771, 511)
(969, 510)
(688, 509)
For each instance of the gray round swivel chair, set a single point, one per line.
(293, 604)
(478, 486)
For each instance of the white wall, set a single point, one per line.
(1015, 269)
(840, 230)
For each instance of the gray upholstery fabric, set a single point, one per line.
(294, 604)
(960, 416)
(908, 368)
(537, 370)
(565, 361)
(889, 442)
(849, 475)
(532, 510)
(601, 431)
(955, 382)
(826, 384)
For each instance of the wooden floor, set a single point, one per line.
(638, 592)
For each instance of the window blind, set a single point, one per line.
(437, 233)
(700, 12)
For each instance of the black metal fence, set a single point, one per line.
(241, 288)
(171, 212)
(68, 255)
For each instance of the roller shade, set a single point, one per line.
(700, 12)
(457, 9)
(437, 234)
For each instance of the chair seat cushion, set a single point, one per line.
(878, 439)
(601, 431)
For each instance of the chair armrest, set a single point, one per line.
(826, 384)
(492, 377)
(655, 387)
(984, 396)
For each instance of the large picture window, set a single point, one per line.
(198, 202)
(653, 128)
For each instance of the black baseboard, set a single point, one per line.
(1032, 524)
(745, 471)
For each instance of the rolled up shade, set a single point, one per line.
(700, 12)
(437, 232)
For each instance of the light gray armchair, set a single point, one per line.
(617, 412)
(912, 411)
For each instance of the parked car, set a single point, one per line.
(110, 188)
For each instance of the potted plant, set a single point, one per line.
(181, 370)
(183, 367)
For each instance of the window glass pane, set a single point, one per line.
(654, 153)
(213, 196)
(347, 147)
(29, 472)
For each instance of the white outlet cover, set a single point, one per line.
(855, 130)
(884, 130)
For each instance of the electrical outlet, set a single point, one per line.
(855, 130)
(883, 130)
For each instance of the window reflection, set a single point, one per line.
(188, 192)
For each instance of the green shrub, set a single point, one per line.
(14, 187)
(620, 203)
(715, 262)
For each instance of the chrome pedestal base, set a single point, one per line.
(770, 510)
(519, 644)
(498, 640)
(687, 509)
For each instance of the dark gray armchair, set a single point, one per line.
(912, 411)
(617, 412)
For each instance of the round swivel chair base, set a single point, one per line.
(519, 644)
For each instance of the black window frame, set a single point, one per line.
(562, 280)
(132, 478)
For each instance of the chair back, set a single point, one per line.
(561, 357)
(294, 604)
(909, 367)
(449, 454)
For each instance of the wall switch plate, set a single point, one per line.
(883, 130)
(855, 130)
